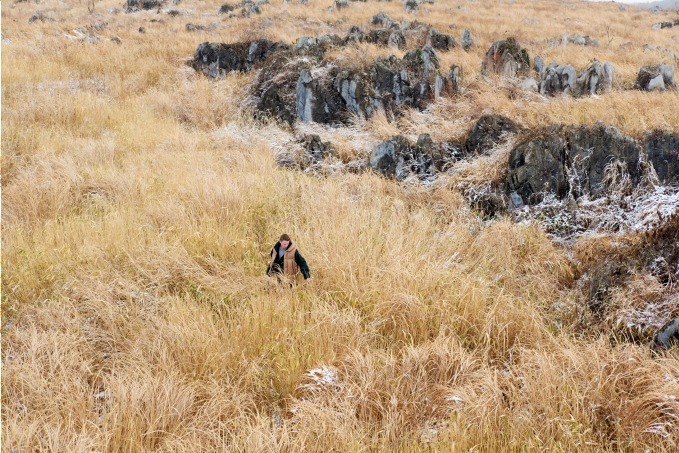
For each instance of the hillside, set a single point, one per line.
(492, 237)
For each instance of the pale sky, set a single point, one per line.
(625, 1)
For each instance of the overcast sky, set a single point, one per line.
(625, 1)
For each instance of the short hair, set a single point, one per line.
(285, 237)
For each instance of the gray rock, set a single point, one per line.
(529, 84)
(226, 8)
(467, 41)
(488, 132)
(315, 150)
(136, 5)
(596, 79)
(539, 66)
(194, 27)
(440, 41)
(396, 40)
(668, 335)
(515, 201)
(305, 42)
(382, 19)
(662, 149)
(411, 6)
(656, 83)
(355, 34)
(314, 102)
(339, 4)
(286, 88)
(398, 158)
(506, 58)
(40, 16)
(384, 158)
(569, 160)
(388, 37)
(656, 77)
(218, 59)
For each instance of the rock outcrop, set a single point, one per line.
(398, 158)
(570, 160)
(597, 78)
(467, 40)
(662, 150)
(315, 149)
(440, 41)
(218, 59)
(488, 132)
(658, 77)
(507, 59)
(136, 5)
(326, 93)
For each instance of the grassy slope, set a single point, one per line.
(139, 205)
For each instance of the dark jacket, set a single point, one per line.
(278, 262)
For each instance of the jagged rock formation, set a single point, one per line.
(662, 150)
(398, 158)
(658, 77)
(570, 160)
(506, 58)
(666, 24)
(488, 132)
(136, 5)
(440, 41)
(467, 40)
(217, 59)
(315, 150)
(326, 93)
(596, 79)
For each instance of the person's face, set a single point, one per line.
(285, 244)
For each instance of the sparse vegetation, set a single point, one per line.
(140, 200)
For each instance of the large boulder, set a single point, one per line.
(217, 59)
(488, 132)
(570, 160)
(558, 79)
(662, 150)
(658, 77)
(506, 58)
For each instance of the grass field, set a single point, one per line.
(140, 202)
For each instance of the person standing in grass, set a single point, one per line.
(286, 261)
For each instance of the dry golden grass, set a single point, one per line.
(140, 203)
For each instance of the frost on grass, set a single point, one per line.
(641, 210)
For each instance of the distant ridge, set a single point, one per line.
(661, 4)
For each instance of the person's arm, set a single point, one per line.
(301, 262)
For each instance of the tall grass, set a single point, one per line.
(139, 207)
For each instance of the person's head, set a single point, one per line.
(285, 241)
